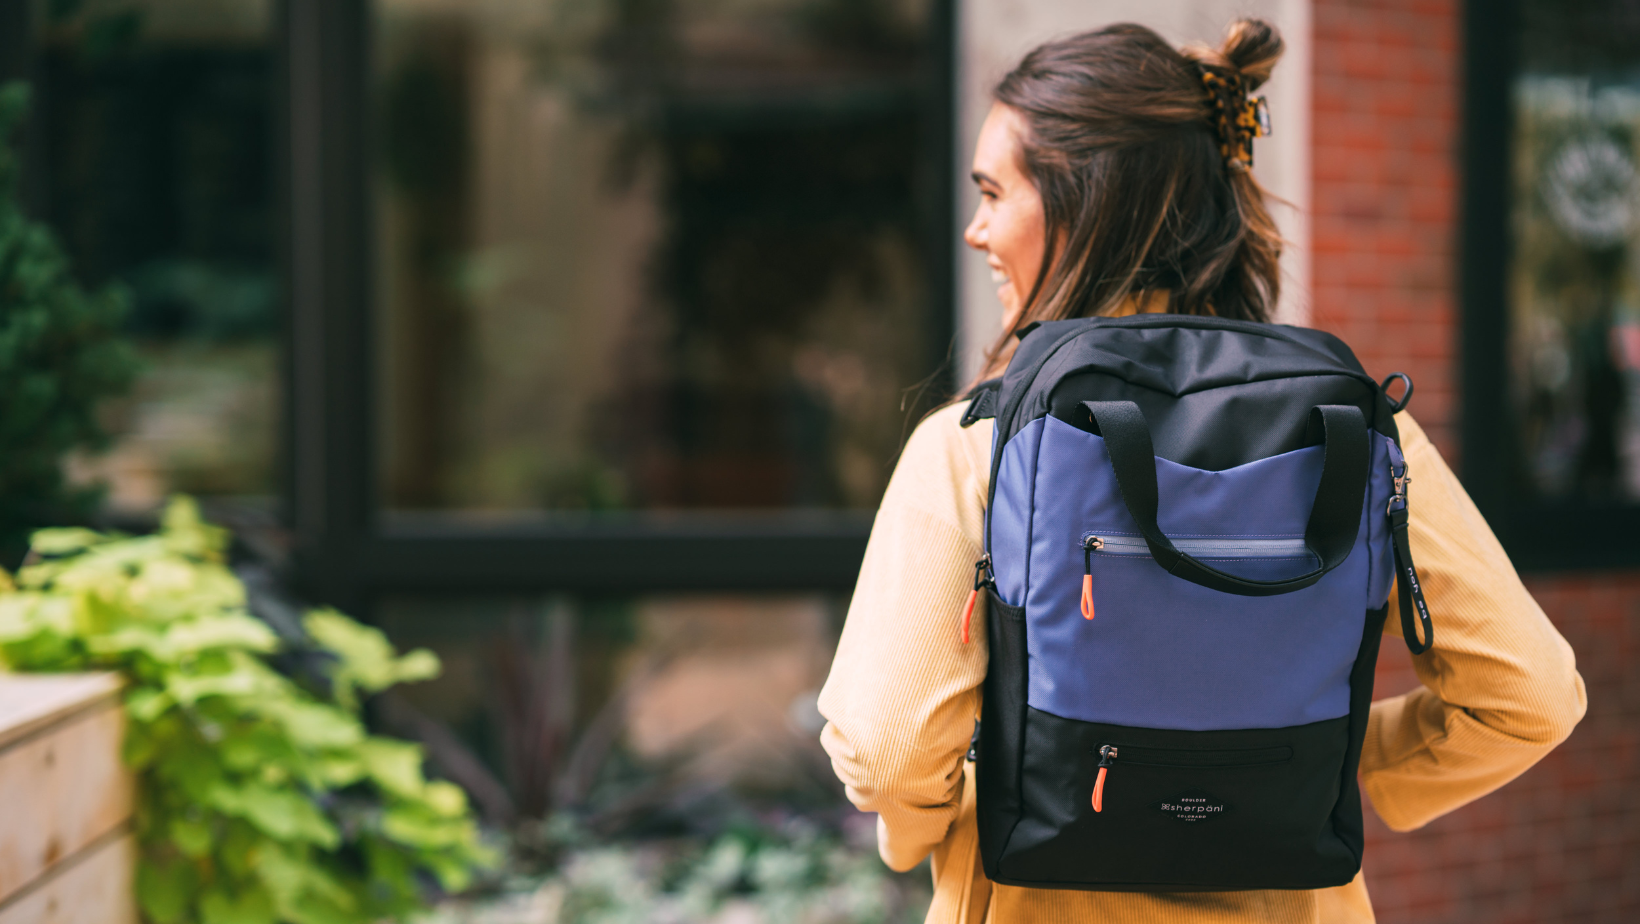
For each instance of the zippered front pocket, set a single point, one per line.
(1216, 547)
(1183, 758)
(1231, 548)
(1197, 757)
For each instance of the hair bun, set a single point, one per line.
(1252, 47)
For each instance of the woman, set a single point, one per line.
(1113, 178)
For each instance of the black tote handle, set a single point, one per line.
(1334, 521)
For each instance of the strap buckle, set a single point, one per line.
(1398, 500)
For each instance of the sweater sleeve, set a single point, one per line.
(1500, 685)
(903, 692)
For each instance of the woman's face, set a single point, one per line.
(1008, 224)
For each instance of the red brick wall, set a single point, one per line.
(1562, 843)
(1384, 201)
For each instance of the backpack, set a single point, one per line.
(1192, 529)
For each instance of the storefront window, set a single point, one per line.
(627, 709)
(1574, 282)
(156, 118)
(640, 257)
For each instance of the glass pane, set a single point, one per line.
(649, 256)
(156, 117)
(646, 736)
(565, 700)
(1575, 277)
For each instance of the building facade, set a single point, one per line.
(529, 329)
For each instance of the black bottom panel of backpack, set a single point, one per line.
(1180, 811)
(1184, 811)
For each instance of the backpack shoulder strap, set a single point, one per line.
(982, 402)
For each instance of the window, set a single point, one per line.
(609, 297)
(575, 340)
(648, 257)
(1551, 181)
(571, 700)
(155, 120)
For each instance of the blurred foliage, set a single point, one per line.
(176, 298)
(795, 873)
(260, 800)
(96, 30)
(60, 354)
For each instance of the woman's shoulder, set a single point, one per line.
(940, 441)
(1416, 445)
(945, 467)
(1411, 434)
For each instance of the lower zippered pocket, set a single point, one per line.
(1219, 808)
(1110, 753)
(1201, 757)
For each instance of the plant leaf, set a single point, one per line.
(396, 765)
(246, 904)
(279, 813)
(63, 541)
(165, 889)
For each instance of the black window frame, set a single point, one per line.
(1538, 536)
(342, 552)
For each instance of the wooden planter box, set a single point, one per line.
(66, 851)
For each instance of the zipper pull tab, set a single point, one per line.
(982, 570)
(1089, 546)
(1107, 759)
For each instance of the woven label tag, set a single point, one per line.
(1193, 807)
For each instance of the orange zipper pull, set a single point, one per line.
(980, 580)
(1088, 546)
(1107, 758)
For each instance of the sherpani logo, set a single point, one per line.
(1192, 807)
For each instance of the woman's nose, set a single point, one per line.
(976, 235)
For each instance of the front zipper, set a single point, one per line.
(1228, 547)
(1225, 759)
(1205, 548)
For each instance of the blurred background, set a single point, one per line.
(576, 339)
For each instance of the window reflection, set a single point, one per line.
(1575, 277)
(658, 255)
(634, 714)
(156, 122)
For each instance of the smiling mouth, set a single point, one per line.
(998, 275)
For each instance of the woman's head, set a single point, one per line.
(1103, 174)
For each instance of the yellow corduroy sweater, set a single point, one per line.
(1500, 689)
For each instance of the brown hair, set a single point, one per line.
(1120, 140)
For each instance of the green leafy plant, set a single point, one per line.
(260, 800)
(61, 353)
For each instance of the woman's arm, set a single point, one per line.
(904, 691)
(1500, 686)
